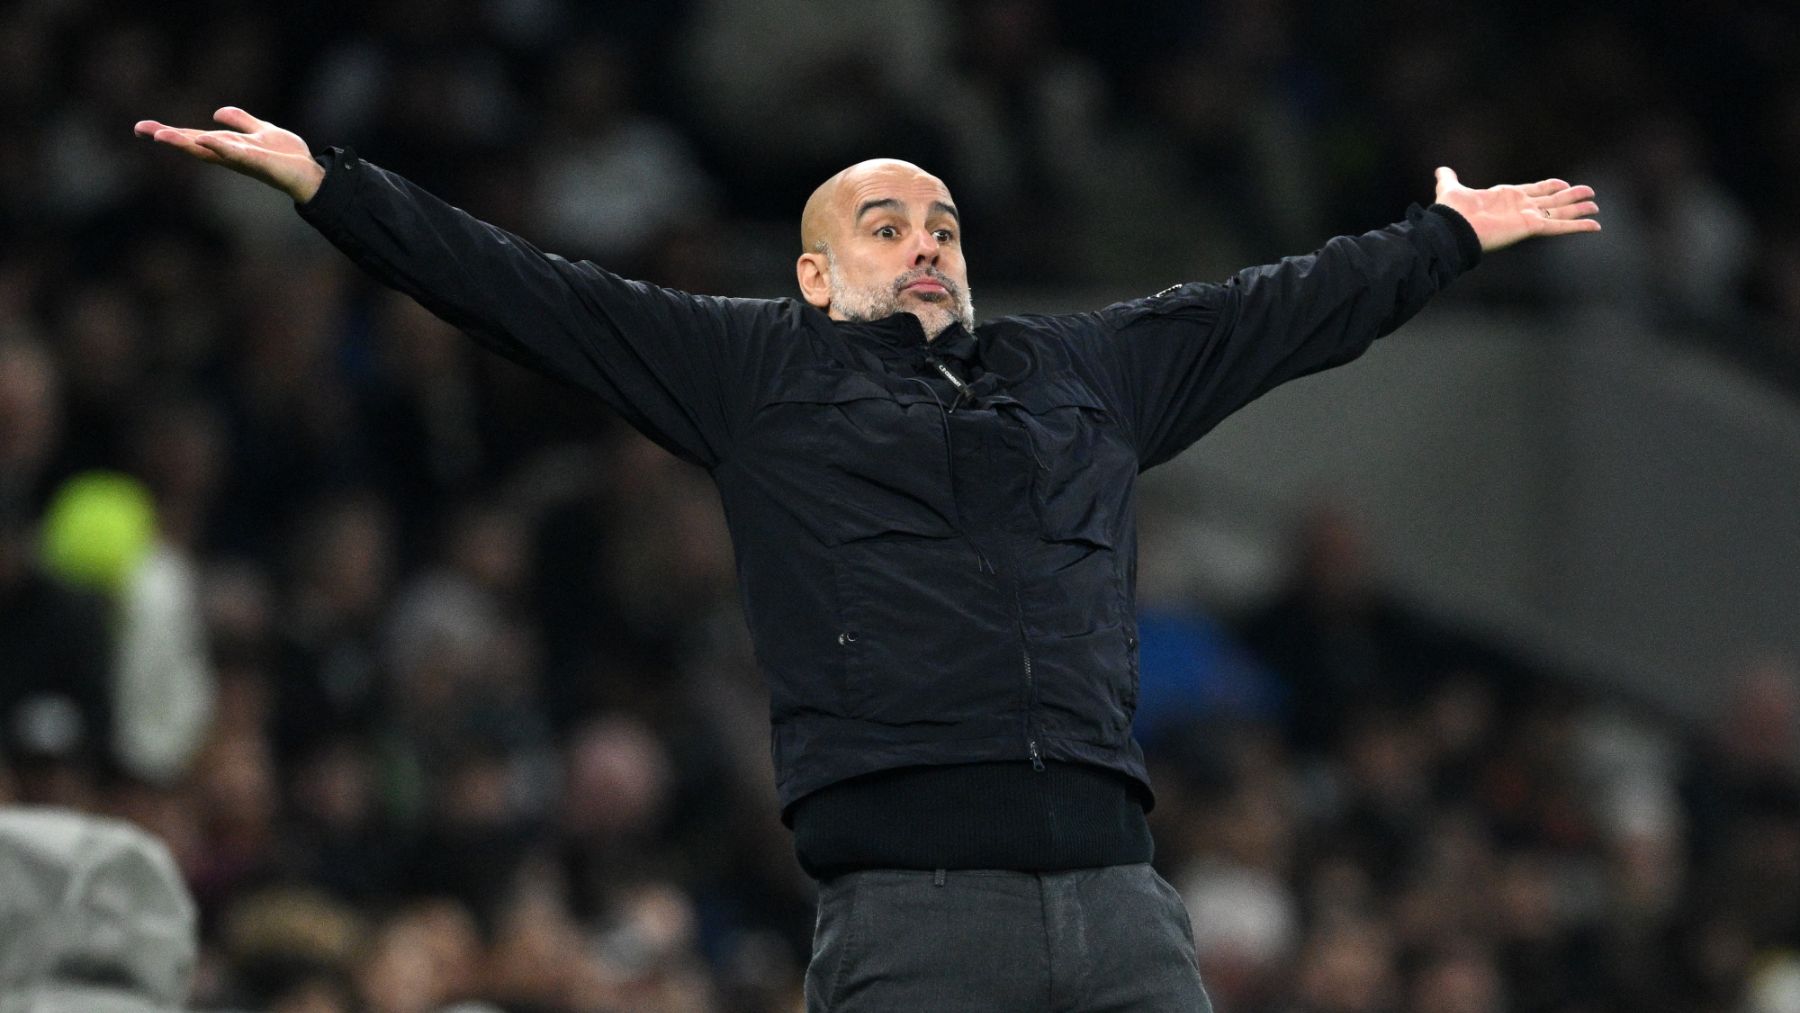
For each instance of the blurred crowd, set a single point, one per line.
(1095, 147)
(1370, 810)
(431, 674)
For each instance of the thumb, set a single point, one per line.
(1446, 179)
(237, 119)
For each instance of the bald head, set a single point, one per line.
(832, 206)
(882, 237)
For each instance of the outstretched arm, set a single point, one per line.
(258, 149)
(684, 369)
(1187, 357)
(1503, 215)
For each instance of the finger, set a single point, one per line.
(1561, 227)
(148, 129)
(1574, 211)
(238, 119)
(186, 141)
(1564, 197)
(1545, 187)
(1567, 204)
(224, 145)
(187, 133)
(180, 137)
(1446, 177)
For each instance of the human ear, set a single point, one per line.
(814, 276)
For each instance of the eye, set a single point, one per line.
(944, 236)
(887, 232)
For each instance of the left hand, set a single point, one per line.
(258, 149)
(1503, 215)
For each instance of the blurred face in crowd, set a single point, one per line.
(28, 405)
(883, 237)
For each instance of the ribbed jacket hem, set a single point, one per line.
(973, 816)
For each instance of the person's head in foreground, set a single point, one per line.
(94, 917)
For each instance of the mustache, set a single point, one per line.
(950, 287)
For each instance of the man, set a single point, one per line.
(934, 532)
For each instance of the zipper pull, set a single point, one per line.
(1037, 759)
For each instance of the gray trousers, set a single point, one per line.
(1086, 941)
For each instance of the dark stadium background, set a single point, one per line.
(473, 716)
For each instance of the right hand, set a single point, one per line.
(260, 150)
(1504, 215)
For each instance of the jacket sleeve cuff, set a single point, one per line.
(335, 191)
(1468, 244)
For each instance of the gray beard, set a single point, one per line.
(875, 302)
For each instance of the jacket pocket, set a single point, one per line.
(1085, 467)
(927, 641)
(1089, 683)
(870, 460)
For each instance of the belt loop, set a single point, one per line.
(937, 878)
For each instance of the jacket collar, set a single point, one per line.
(902, 332)
(955, 343)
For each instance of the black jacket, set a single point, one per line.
(926, 581)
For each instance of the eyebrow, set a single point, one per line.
(883, 204)
(891, 204)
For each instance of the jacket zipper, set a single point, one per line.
(982, 563)
(1031, 728)
(1037, 758)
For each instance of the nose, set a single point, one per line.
(925, 248)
